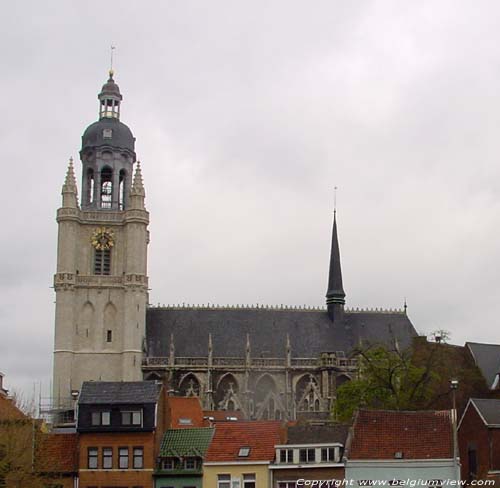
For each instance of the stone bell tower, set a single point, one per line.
(101, 282)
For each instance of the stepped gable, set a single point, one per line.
(310, 330)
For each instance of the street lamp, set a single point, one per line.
(454, 387)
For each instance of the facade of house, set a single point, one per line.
(119, 427)
(396, 445)
(311, 452)
(106, 331)
(240, 454)
(479, 440)
(180, 461)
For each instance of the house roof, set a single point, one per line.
(317, 434)
(186, 442)
(116, 392)
(310, 331)
(9, 411)
(489, 410)
(57, 453)
(186, 409)
(379, 434)
(487, 358)
(259, 436)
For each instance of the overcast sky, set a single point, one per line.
(246, 115)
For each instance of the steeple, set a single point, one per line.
(335, 295)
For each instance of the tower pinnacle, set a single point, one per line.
(335, 295)
(69, 189)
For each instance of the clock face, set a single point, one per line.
(102, 239)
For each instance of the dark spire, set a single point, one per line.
(335, 295)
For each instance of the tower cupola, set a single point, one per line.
(109, 99)
(107, 154)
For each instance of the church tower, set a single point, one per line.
(101, 282)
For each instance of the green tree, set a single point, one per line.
(387, 379)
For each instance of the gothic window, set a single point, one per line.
(106, 187)
(226, 396)
(307, 394)
(190, 386)
(102, 261)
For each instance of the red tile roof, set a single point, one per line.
(9, 411)
(230, 437)
(185, 408)
(379, 434)
(57, 453)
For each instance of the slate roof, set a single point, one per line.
(186, 442)
(311, 331)
(57, 453)
(317, 434)
(260, 436)
(487, 358)
(116, 392)
(379, 434)
(489, 409)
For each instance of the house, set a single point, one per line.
(57, 459)
(119, 427)
(479, 440)
(240, 454)
(400, 445)
(487, 359)
(311, 452)
(18, 434)
(180, 461)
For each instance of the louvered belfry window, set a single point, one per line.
(102, 262)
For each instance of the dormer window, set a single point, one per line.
(101, 418)
(328, 455)
(307, 455)
(286, 455)
(132, 417)
(107, 133)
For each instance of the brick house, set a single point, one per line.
(479, 440)
(57, 459)
(311, 452)
(120, 426)
(400, 445)
(240, 454)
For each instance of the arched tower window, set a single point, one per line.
(121, 196)
(89, 197)
(106, 187)
(102, 261)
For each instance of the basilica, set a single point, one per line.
(270, 362)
